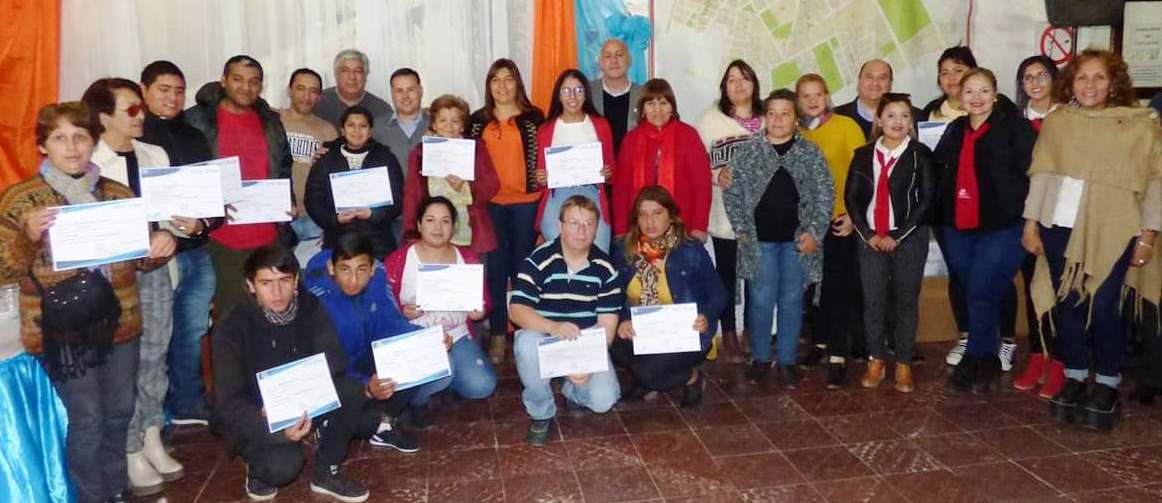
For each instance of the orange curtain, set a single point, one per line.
(29, 59)
(554, 47)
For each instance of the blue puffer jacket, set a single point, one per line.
(691, 277)
(358, 319)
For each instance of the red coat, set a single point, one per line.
(393, 268)
(483, 188)
(692, 177)
(604, 135)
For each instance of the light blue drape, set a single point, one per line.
(33, 425)
(600, 20)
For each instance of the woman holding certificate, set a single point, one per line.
(573, 123)
(473, 224)
(83, 323)
(665, 266)
(357, 151)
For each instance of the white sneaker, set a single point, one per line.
(957, 352)
(1007, 353)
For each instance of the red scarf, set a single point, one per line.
(1037, 125)
(883, 197)
(967, 192)
(646, 157)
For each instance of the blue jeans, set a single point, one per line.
(515, 235)
(986, 263)
(779, 284)
(472, 375)
(191, 319)
(551, 218)
(599, 393)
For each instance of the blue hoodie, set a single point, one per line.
(360, 319)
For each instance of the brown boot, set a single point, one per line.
(731, 351)
(875, 373)
(904, 381)
(496, 349)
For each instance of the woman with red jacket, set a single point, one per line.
(470, 198)
(665, 151)
(573, 121)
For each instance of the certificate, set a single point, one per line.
(92, 234)
(450, 287)
(191, 191)
(290, 389)
(1142, 43)
(413, 358)
(259, 201)
(572, 165)
(584, 355)
(231, 170)
(361, 188)
(665, 329)
(930, 132)
(449, 156)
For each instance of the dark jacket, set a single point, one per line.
(690, 276)
(184, 145)
(320, 203)
(1003, 155)
(204, 117)
(245, 343)
(911, 186)
(527, 122)
(851, 109)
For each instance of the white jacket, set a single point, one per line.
(713, 127)
(113, 166)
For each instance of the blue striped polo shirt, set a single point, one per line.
(545, 284)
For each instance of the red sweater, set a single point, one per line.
(692, 177)
(545, 140)
(483, 188)
(393, 267)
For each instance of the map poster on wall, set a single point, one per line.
(1142, 43)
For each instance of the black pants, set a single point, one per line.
(277, 461)
(661, 372)
(1147, 328)
(841, 302)
(893, 279)
(726, 261)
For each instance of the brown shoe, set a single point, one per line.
(496, 349)
(875, 373)
(904, 381)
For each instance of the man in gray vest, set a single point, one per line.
(404, 129)
(351, 67)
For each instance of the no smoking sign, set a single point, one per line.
(1058, 43)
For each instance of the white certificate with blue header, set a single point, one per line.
(413, 358)
(450, 287)
(449, 156)
(665, 329)
(573, 165)
(261, 201)
(92, 234)
(290, 389)
(586, 354)
(361, 188)
(190, 191)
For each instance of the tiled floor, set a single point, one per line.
(746, 443)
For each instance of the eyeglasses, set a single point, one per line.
(134, 110)
(581, 225)
(573, 92)
(1040, 77)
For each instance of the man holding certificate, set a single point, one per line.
(564, 287)
(281, 324)
(672, 278)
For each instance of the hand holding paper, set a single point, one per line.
(290, 389)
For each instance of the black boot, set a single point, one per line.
(788, 376)
(1064, 405)
(836, 375)
(1102, 408)
(1145, 393)
(757, 373)
(987, 372)
(964, 374)
(692, 395)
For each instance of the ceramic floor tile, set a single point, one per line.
(1070, 473)
(558, 487)
(476, 491)
(863, 490)
(797, 434)
(959, 449)
(523, 460)
(760, 470)
(733, 440)
(607, 485)
(603, 452)
(861, 427)
(895, 456)
(1020, 442)
(827, 463)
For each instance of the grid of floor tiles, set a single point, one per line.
(745, 444)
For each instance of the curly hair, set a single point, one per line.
(1121, 87)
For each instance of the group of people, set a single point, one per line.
(787, 190)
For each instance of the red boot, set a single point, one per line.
(1054, 379)
(1034, 373)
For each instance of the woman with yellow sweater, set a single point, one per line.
(840, 303)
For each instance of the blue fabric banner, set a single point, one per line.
(34, 425)
(601, 20)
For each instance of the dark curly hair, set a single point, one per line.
(1121, 87)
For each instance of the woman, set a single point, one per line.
(573, 120)
(355, 150)
(954, 62)
(1092, 215)
(472, 376)
(116, 106)
(662, 150)
(890, 191)
(735, 118)
(1035, 96)
(780, 205)
(840, 303)
(982, 191)
(473, 224)
(665, 266)
(89, 348)
(508, 126)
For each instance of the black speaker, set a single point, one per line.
(1085, 12)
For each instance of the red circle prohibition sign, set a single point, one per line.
(1058, 43)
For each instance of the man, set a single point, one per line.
(237, 122)
(164, 87)
(279, 324)
(565, 286)
(305, 133)
(875, 80)
(619, 97)
(353, 287)
(408, 126)
(350, 89)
